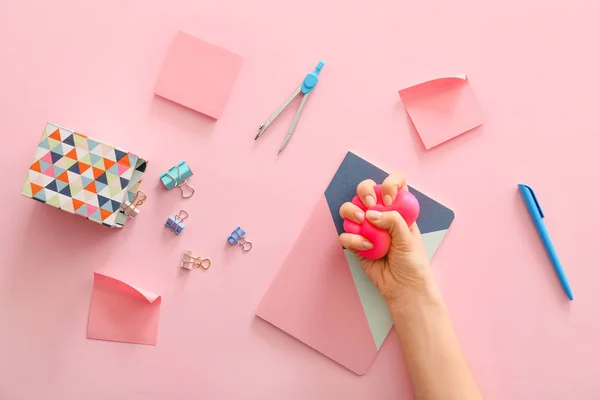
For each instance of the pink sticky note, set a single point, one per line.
(198, 75)
(442, 108)
(123, 313)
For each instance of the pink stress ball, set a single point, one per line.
(406, 204)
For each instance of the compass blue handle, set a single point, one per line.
(312, 79)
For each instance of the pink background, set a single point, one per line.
(92, 67)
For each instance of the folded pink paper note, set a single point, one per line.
(123, 313)
(198, 75)
(442, 108)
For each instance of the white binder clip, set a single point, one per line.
(188, 261)
(131, 209)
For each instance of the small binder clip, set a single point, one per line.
(238, 236)
(131, 209)
(176, 223)
(176, 177)
(188, 261)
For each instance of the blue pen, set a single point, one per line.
(536, 213)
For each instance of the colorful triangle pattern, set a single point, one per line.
(83, 176)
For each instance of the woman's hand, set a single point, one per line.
(431, 351)
(405, 269)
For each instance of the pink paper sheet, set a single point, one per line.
(314, 299)
(123, 313)
(198, 75)
(442, 108)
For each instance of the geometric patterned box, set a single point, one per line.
(83, 176)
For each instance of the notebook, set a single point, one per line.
(321, 296)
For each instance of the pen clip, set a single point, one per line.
(537, 203)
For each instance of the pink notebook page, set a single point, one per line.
(198, 75)
(441, 109)
(123, 313)
(313, 297)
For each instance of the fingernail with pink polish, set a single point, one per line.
(370, 201)
(367, 245)
(360, 216)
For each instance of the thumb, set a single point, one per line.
(392, 222)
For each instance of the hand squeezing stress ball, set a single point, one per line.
(380, 228)
(404, 203)
(390, 248)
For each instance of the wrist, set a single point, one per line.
(415, 297)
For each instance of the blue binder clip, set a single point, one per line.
(176, 177)
(175, 223)
(238, 236)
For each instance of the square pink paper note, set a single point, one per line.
(123, 313)
(198, 75)
(441, 109)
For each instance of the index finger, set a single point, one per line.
(391, 185)
(366, 192)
